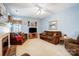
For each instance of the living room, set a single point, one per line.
(29, 27)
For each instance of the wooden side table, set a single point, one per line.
(61, 41)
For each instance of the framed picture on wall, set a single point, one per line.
(53, 25)
(32, 23)
(35, 23)
(28, 23)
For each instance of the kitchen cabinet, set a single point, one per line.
(3, 11)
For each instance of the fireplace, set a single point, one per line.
(4, 45)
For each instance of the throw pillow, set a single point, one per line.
(43, 33)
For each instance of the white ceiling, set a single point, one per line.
(38, 10)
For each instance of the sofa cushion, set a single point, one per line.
(44, 33)
(49, 37)
(50, 34)
(72, 41)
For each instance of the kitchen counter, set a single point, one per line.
(3, 35)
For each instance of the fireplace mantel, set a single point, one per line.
(3, 35)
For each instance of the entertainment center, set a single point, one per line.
(32, 33)
(32, 25)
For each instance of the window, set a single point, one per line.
(1, 30)
(53, 25)
(16, 27)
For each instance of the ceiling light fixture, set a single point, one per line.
(40, 10)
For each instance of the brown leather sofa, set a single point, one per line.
(51, 36)
(72, 46)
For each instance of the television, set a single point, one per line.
(32, 30)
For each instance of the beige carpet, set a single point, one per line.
(38, 47)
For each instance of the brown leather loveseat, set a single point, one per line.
(51, 36)
(13, 40)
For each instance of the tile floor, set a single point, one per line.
(38, 47)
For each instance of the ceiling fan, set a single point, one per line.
(40, 8)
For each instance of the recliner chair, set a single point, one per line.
(72, 46)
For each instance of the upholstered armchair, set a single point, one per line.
(72, 46)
